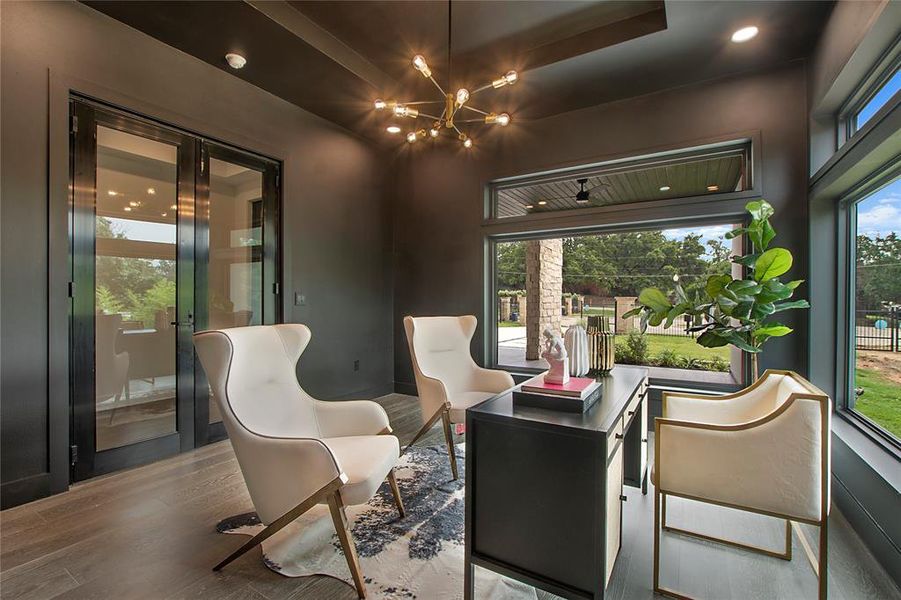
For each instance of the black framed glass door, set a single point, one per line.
(169, 234)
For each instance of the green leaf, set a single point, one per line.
(716, 284)
(632, 313)
(790, 305)
(747, 260)
(744, 287)
(656, 319)
(794, 284)
(759, 209)
(726, 304)
(736, 232)
(654, 299)
(675, 312)
(774, 290)
(708, 339)
(743, 309)
(767, 233)
(771, 330)
(762, 309)
(739, 342)
(772, 263)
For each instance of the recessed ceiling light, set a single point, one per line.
(174, 207)
(151, 191)
(664, 188)
(127, 209)
(112, 192)
(134, 203)
(392, 129)
(235, 61)
(713, 188)
(164, 214)
(529, 206)
(542, 202)
(744, 34)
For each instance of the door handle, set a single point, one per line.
(187, 323)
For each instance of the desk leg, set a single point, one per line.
(468, 583)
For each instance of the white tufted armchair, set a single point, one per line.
(765, 449)
(448, 381)
(294, 451)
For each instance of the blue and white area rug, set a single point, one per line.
(419, 556)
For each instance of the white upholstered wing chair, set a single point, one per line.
(448, 381)
(294, 451)
(765, 450)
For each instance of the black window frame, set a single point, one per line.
(886, 67)
(846, 346)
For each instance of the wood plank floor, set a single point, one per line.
(149, 533)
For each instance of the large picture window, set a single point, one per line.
(560, 282)
(875, 309)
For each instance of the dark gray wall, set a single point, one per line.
(439, 204)
(336, 217)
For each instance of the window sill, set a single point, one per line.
(879, 454)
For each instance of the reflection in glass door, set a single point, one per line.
(135, 288)
(237, 203)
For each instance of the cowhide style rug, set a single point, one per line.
(419, 556)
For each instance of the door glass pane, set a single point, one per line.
(877, 303)
(135, 288)
(235, 269)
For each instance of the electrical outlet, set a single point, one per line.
(357, 365)
(299, 299)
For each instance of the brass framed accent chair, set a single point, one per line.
(448, 380)
(295, 451)
(765, 449)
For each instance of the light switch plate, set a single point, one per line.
(299, 299)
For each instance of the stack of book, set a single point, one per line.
(577, 395)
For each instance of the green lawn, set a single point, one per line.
(598, 310)
(681, 345)
(881, 400)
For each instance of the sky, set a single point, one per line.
(880, 213)
(711, 232)
(885, 94)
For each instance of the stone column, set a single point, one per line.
(544, 288)
(568, 306)
(523, 305)
(623, 304)
(504, 308)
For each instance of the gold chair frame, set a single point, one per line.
(820, 562)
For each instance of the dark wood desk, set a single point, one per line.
(544, 488)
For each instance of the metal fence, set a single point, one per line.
(878, 329)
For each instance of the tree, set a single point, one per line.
(878, 271)
(511, 266)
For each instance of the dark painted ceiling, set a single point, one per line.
(334, 58)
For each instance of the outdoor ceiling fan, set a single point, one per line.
(583, 196)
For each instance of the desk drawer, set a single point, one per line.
(615, 435)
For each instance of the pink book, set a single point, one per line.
(576, 387)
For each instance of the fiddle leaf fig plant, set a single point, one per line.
(735, 311)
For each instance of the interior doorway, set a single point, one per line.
(170, 234)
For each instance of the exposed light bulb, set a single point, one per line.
(467, 143)
(235, 61)
(411, 137)
(509, 78)
(744, 34)
(434, 132)
(421, 65)
(405, 111)
(462, 96)
(151, 191)
(392, 129)
(380, 104)
(664, 188)
(503, 119)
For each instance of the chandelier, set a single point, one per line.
(455, 105)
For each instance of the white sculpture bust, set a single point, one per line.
(556, 357)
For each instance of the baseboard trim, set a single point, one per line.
(370, 392)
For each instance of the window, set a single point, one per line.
(711, 171)
(875, 309)
(878, 100)
(561, 281)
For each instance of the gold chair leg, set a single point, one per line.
(449, 437)
(336, 507)
(283, 520)
(786, 554)
(395, 491)
(428, 425)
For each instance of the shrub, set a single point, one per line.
(635, 350)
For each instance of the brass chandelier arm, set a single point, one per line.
(481, 112)
(437, 85)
